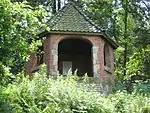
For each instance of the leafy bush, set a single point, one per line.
(142, 86)
(130, 103)
(19, 29)
(64, 95)
(43, 95)
(5, 75)
(138, 86)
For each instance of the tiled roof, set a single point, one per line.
(71, 18)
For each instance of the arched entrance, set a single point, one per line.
(75, 54)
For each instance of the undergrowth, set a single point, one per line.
(57, 94)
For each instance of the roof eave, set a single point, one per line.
(106, 37)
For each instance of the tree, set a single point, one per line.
(19, 26)
(50, 5)
(126, 21)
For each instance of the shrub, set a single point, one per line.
(5, 75)
(130, 103)
(49, 95)
(64, 95)
(143, 87)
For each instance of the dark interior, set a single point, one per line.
(77, 51)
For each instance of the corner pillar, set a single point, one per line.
(95, 61)
(54, 59)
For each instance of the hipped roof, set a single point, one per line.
(72, 20)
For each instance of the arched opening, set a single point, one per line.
(75, 54)
(107, 56)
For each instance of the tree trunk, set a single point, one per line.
(125, 36)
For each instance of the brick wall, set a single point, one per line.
(31, 64)
(51, 46)
(51, 55)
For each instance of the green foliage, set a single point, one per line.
(5, 75)
(138, 86)
(126, 21)
(138, 64)
(49, 96)
(19, 26)
(143, 87)
(130, 103)
(57, 94)
(20, 23)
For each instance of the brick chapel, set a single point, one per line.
(75, 42)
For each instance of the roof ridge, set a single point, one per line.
(78, 21)
(87, 17)
(74, 4)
